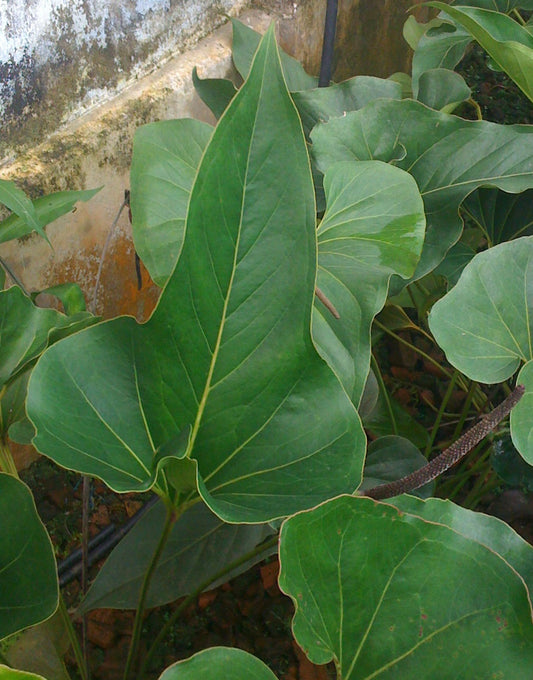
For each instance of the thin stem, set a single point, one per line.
(384, 392)
(477, 108)
(452, 454)
(73, 639)
(327, 303)
(13, 276)
(137, 626)
(466, 410)
(440, 413)
(194, 595)
(484, 483)
(519, 17)
(7, 464)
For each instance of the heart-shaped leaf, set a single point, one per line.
(45, 210)
(484, 325)
(373, 227)
(228, 351)
(390, 595)
(509, 44)
(448, 157)
(199, 547)
(501, 216)
(219, 662)
(28, 581)
(485, 529)
(165, 161)
(26, 330)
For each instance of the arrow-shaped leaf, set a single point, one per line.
(228, 350)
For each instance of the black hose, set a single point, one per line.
(328, 44)
(100, 545)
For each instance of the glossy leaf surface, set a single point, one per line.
(199, 547)
(509, 44)
(447, 156)
(219, 662)
(389, 595)
(28, 581)
(228, 351)
(485, 529)
(373, 227)
(45, 210)
(165, 161)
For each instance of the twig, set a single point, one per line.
(13, 276)
(327, 302)
(451, 455)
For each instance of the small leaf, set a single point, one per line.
(391, 458)
(508, 43)
(442, 90)
(165, 160)
(390, 595)
(17, 201)
(217, 663)
(28, 581)
(216, 93)
(199, 547)
(69, 294)
(27, 330)
(47, 209)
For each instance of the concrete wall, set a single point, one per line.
(81, 75)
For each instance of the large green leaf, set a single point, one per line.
(199, 547)
(498, 5)
(508, 43)
(390, 595)
(502, 216)
(484, 325)
(26, 330)
(448, 157)
(45, 209)
(245, 43)
(19, 204)
(228, 351)
(373, 227)
(219, 662)
(28, 581)
(485, 529)
(165, 160)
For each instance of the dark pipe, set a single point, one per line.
(326, 64)
(100, 545)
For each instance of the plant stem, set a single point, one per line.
(7, 464)
(73, 638)
(198, 591)
(440, 413)
(384, 392)
(479, 113)
(137, 626)
(465, 411)
(519, 17)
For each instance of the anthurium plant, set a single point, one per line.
(289, 240)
